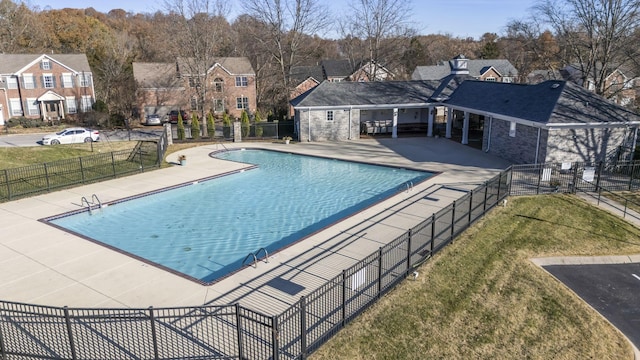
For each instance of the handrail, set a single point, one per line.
(255, 260)
(266, 254)
(94, 196)
(84, 200)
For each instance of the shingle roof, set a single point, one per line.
(155, 75)
(364, 94)
(549, 102)
(475, 67)
(12, 63)
(234, 65)
(336, 68)
(302, 73)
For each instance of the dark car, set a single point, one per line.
(173, 116)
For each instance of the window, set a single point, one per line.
(72, 106)
(218, 105)
(218, 84)
(195, 105)
(12, 82)
(67, 80)
(86, 103)
(512, 129)
(329, 115)
(45, 64)
(85, 80)
(28, 81)
(16, 107)
(242, 103)
(241, 81)
(194, 81)
(32, 106)
(490, 78)
(47, 81)
(507, 79)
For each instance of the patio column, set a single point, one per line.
(61, 109)
(394, 132)
(449, 122)
(42, 111)
(465, 129)
(430, 123)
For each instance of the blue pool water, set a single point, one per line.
(204, 231)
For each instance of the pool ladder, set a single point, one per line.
(90, 205)
(408, 186)
(254, 256)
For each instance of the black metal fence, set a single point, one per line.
(233, 331)
(41, 178)
(557, 177)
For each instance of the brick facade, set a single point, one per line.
(44, 87)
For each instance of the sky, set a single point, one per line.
(460, 18)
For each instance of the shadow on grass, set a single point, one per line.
(582, 230)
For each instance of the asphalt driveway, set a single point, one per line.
(612, 289)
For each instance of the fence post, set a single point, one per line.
(509, 173)
(575, 178)
(141, 162)
(303, 327)
(433, 233)
(113, 164)
(46, 176)
(486, 193)
(409, 251)
(379, 272)
(499, 185)
(633, 171)
(81, 169)
(274, 338)
(239, 330)
(154, 336)
(67, 320)
(6, 177)
(600, 165)
(344, 297)
(470, 206)
(453, 219)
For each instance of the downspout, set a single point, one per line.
(535, 161)
(489, 134)
(6, 102)
(309, 126)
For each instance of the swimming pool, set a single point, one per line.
(204, 231)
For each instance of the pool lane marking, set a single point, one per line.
(636, 276)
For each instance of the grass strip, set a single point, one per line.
(481, 297)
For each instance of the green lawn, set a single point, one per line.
(481, 297)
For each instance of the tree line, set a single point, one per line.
(278, 35)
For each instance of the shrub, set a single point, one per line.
(211, 127)
(195, 127)
(181, 134)
(244, 123)
(226, 126)
(259, 129)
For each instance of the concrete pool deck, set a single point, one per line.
(42, 265)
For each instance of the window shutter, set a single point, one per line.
(42, 80)
(54, 79)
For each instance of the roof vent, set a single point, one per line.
(555, 86)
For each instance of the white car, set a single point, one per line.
(71, 136)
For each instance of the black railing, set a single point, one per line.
(35, 179)
(233, 331)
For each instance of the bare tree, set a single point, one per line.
(17, 27)
(288, 24)
(381, 24)
(595, 35)
(196, 31)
